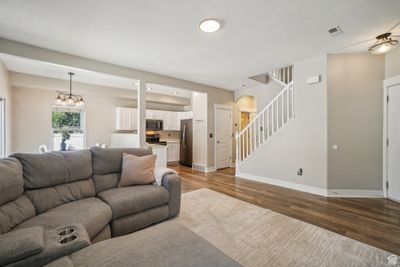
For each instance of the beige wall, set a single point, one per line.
(166, 102)
(392, 63)
(263, 94)
(355, 121)
(32, 110)
(303, 143)
(247, 102)
(6, 93)
(215, 95)
(32, 118)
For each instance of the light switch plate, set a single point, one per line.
(314, 79)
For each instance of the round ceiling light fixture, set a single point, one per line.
(210, 25)
(383, 44)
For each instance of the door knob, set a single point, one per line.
(217, 142)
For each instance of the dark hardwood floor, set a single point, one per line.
(372, 221)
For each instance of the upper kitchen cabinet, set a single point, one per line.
(154, 114)
(126, 118)
(123, 119)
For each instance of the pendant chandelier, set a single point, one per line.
(69, 99)
(384, 43)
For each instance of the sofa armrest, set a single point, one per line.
(20, 244)
(172, 183)
(54, 248)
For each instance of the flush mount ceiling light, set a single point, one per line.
(383, 44)
(69, 99)
(210, 25)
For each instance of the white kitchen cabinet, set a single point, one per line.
(161, 152)
(173, 151)
(126, 118)
(149, 115)
(158, 114)
(166, 117)
(123, 119)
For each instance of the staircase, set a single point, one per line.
(269, 121)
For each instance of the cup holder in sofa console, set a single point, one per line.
(68, 239)
(67, 231)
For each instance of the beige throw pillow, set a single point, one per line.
(137, 170)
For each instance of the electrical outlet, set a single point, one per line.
(300, 172)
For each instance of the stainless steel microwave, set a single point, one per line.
(154, 125)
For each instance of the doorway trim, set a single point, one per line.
(230, 108)
(386, 85)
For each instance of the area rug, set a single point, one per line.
(254, 236)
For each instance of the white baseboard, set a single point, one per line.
(203, 168)
(295, 186)
(211, 169)
(355, 193)
(315, 190)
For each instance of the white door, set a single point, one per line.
(394, 143)
(223, 137)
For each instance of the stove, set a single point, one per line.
(155, 139)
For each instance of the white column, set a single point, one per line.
(141, 107)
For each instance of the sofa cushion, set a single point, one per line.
(109, 160)
(106, 181)
(133, 199)
(15, 212)
(11, 180)
(137, 170)
(166, 244)
(131, 223)
(46, 198)
(54, 168)
(91, 212)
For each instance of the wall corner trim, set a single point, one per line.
(286, 184)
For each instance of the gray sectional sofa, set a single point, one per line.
(62, 208)
(60, 188)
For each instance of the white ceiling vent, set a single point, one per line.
(335, 31)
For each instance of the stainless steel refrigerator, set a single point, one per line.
(186, 147)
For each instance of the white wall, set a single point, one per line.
(6, 93)
(392, 63)
(303, 144)
(200, 110)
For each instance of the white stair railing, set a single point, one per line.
(282, 75)
(270, 121)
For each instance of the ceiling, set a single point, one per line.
(45, 69)
(163, 36)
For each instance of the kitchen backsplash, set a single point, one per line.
(169, 134)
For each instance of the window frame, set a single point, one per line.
(81, 111)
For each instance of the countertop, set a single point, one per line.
(170, 140)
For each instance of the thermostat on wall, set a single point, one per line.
(314, 79)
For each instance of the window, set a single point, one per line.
(2, 127)
(68, 129)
